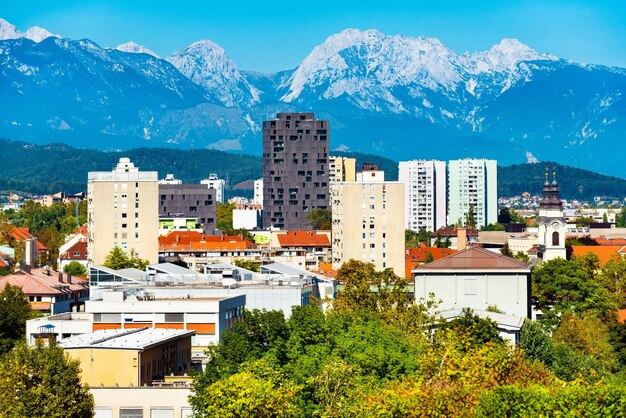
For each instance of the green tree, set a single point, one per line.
(475, 329)
(605, 218)
(522, 256)
(612, 277)
(561, 286)
(247, 264)
(14, 312)
(505, 250)
(620, 218)
(42, 382)
(247, 395)
(536, 342)
(320, 218)
(493, 227)
(117, 259)
(470, 217)
(224, 213)
(412, 239)
(429, 258)
(74, 268)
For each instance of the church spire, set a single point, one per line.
(550, 198)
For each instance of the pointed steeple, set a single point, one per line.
(550, 198)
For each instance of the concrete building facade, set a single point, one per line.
(123, 211)
(368, 224)
(295, 169)
(189, 200)
(341, 169)
(425, 196)
(216, 183)
(473, 182)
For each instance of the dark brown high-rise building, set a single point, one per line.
(295, 169)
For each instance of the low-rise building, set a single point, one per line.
(130, 357)
(49, 292)
(479, 279)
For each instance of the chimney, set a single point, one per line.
(60, 277)
(68, 278)
(461, 239)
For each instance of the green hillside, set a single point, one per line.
(43, 169)
(574, 183)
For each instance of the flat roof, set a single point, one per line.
(170, 268)
(292, 271)
(124, 339)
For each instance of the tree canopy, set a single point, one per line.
(320, 218)
(118, 259)
(42, 382)
(14, 312)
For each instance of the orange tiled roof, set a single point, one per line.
(621, 315)
(326, 269)
(414, 257)
(611, 241)
(303, 239)
(181, 241)
(604, 252)
(21, 233)
(3, 264)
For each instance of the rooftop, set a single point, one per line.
(475, 258)
(303, 239)
(38, 282)
(604, 252)
(124, 339)
(452, 231)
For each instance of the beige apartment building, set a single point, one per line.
(368, 223)
(123, 211)
(341, 169)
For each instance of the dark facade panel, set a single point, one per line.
(189, 201)
(295, 169)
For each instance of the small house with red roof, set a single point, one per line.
(314, 246)
(414, 257)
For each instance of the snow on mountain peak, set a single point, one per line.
(36, 34)
(206, 64)
(134, 48)
(511, 51)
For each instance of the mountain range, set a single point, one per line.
(397, 96)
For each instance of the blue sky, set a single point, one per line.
(269, 36)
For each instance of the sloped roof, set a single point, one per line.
(303, 239)
(416, 256)
(21, 233)
(604, 252)
(611, 241)
(38, 283)
(3, 263)
(80, 246)
(475, 258)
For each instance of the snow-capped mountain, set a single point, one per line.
(134, 48)
(9, 31)
(206, 64)
(400, 96)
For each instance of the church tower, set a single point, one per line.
(551, 223)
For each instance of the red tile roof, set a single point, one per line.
(303, 239)
(604, 252)
(414, 257)
(3, 264)
(80, 247)
(475, 258)
(611, 241)
(21, 233)
(182, 241)
(39, 283)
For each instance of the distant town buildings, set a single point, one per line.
(214, 182)
(368, 221)
(473, 183)
(341, 169)
(295, 169)
(123, 211)
(425, 198)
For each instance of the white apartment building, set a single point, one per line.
(473, 182)
(123, 211)
(368, 222)
(258, 192)
(424, 194)
(214, 182)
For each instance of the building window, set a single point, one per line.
(131, 412)
(555, 238)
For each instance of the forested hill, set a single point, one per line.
(42, 169)
(574, 183)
